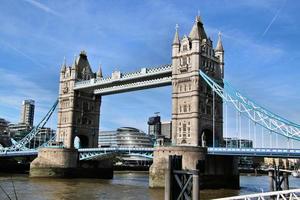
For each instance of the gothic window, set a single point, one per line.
(184, 87)
(184, 47)
(184, 61)
(188, 129)
(180, 109)
(184, 108)
(189, 108)
(190, 86)
(85, 106)
(184, 127)
(180, 88)
(208, 110)
(179, 130)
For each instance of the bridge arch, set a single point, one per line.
(81, 141)
(206, 137)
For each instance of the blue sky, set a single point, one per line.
(261, 41)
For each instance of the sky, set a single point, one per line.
(261, 40)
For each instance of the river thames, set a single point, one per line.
(125, 185)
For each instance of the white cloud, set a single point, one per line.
(42, 7)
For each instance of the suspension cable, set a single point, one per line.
(226, 123)
(213, 118)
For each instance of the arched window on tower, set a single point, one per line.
(184, 108)
(184, 60)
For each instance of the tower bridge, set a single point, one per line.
(199, 103)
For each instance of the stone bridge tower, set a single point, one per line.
(194, 120)
(78, 113)
(192, 98)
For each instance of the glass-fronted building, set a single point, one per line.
(124, 137)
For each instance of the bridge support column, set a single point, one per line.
(54, 162)
(190, 157)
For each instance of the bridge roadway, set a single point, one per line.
(147, 153)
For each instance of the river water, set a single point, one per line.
(125, 185)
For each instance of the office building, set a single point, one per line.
(27, 113)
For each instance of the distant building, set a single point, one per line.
(237, 143)
(27, 113)
(124, 137)
(166, 129)
(43, 136)
(3, 126)
(18, 131)
(161, 132)
(154, 126)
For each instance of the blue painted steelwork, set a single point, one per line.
(255, 152)
(253, 111)
(147, 153)
(21, 145)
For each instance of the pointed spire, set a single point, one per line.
(176, 37)
(99, 72)
(219, 46)
(64, 65)
(74, 62)
(194, 34)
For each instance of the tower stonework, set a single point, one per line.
(192, 98)
(78, 112)
(197, 113)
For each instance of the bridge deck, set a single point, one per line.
(145, 152)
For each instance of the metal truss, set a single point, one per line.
(91, 153)
(144, 74)
(21, 145)
(138, 85)
(285, 195)
(255, 152)
(258, 114)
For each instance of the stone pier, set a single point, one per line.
(64, 163)
(54, 162)
(218, 171)
(190, 157)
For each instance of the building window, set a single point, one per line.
(189, 108)
(183, 127)
(190, 87)
(184, 108)
(184, 47)
(180, 109)
(179, 130)
(184, 61)
(208, 110)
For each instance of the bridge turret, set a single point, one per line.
(191, 100)
(99, 72)
(219, 52)
(63, 66)
(176, 43)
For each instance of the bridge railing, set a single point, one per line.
(285, 194)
